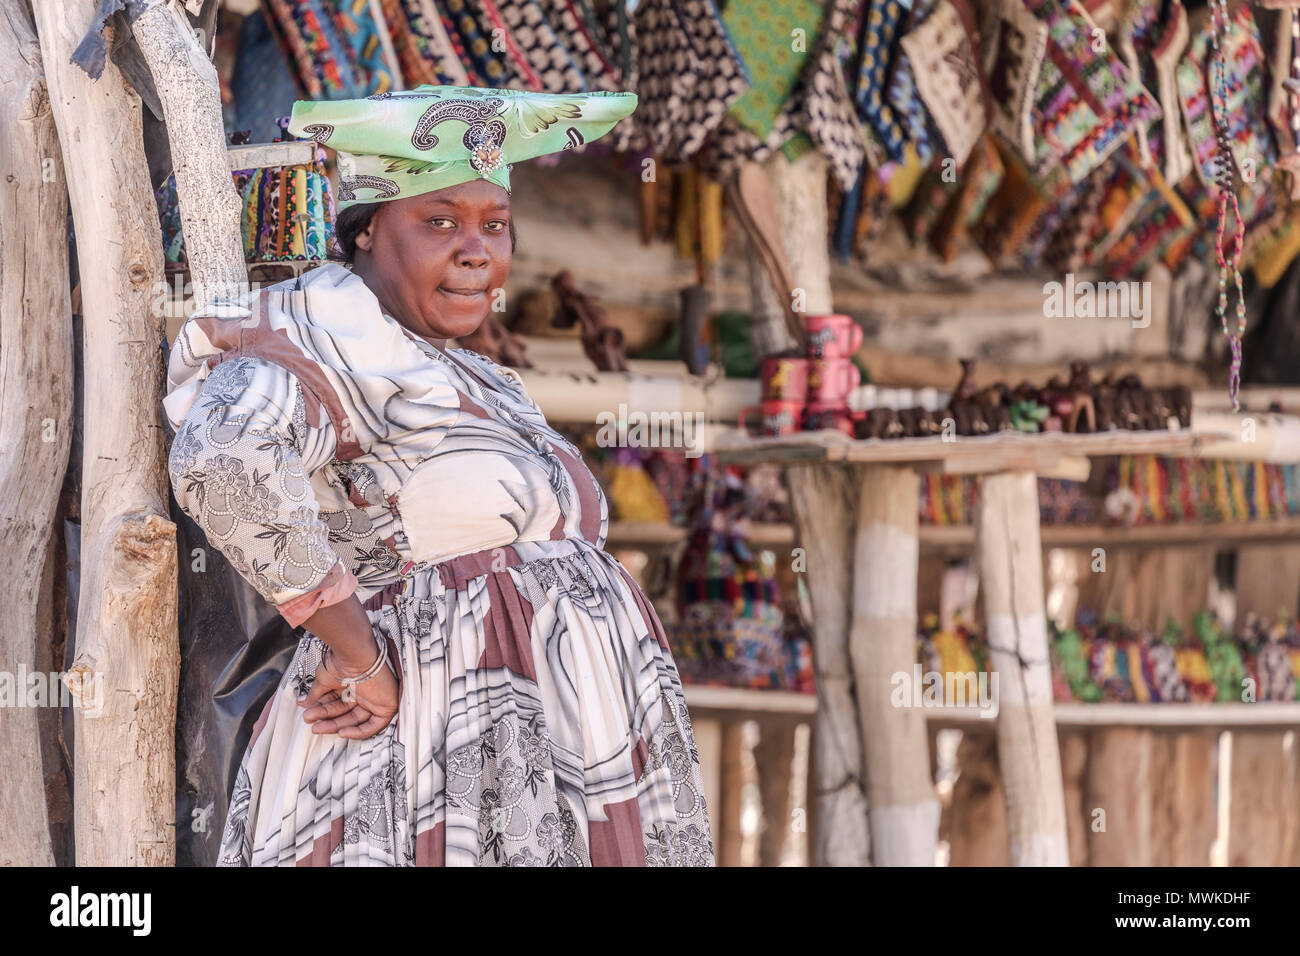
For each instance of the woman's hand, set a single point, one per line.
(374, 708)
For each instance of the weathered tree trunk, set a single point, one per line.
(824, 501)
(799, 195)
(1009, 552)
(35, 406)
(127, 654)
(187, 85)
(904, 810)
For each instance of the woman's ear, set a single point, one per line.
(366, 236)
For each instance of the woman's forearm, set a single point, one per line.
(346, 628)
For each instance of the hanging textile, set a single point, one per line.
(1016, 42)
(540, 47)
(948, 78)
(1086, 102)
(430, 51)
(689, 74)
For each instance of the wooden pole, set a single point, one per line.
(823, 499)
(773, 757)
(35, 407)
(798, 192)
(727, 839)
(188, 87)
(904, 809)
(1074, 766)
(127, 652)
(978, 834)
(1008, 550)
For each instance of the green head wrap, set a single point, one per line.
(400, 144)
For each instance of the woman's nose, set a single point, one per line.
(472, 253)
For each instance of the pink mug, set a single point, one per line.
(784, 379)
(831, 379)
(779, 417)
(833, 336)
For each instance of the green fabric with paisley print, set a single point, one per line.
(404, 143)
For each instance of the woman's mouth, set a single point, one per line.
(468, 293)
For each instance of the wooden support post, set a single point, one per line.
(1009, 553)
(799, 199)
(127, 653)
(190, 93)
(1074, 765)
(904, 809)
(773, 757)
(708, 742)
(978, 832)
(727, 839)
(35, 408)
(1117, 797)
(823, 499)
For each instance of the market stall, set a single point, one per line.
(949, 295)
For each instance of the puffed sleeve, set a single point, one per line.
(240, 466)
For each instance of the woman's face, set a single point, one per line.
(433, 260)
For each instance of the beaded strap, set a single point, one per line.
(1223, 179)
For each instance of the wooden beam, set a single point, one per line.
(1010, 560)
(35, 407)
(261, 155)
(126, 642)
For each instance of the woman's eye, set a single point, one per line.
(497, 225)
(441, 222)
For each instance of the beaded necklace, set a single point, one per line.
(1223, 175)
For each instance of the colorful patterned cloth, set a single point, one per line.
(948, 77)
(1016, 44)
(774, 67)
(1087, 102)
(884, 23)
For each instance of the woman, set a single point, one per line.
(478, 682)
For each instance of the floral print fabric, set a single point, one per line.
(326, 451)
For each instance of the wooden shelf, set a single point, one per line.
(261, 155)
(1263, 714)
(631, 534)
(739, 703)
(961, 538)
(1041, 453)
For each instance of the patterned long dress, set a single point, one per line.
(327, 452)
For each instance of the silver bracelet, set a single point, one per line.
(350, 683)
